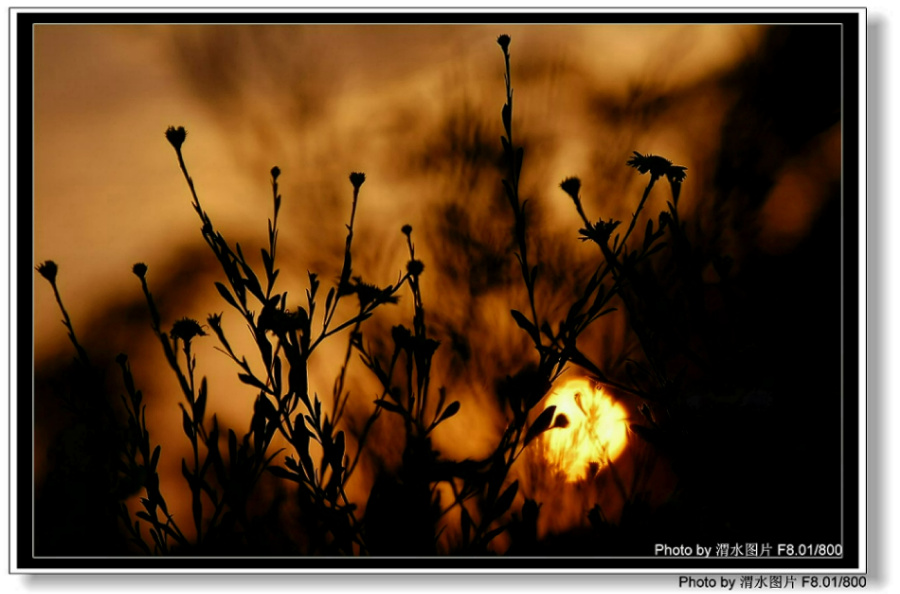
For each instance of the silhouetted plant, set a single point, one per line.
(402, 511)
(81, 498)
(658, 316)
(140, 469)
(286, 340)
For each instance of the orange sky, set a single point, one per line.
(318, 101)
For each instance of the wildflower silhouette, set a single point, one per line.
(48, 270)
(357, 179)
(415, 267)
(659, 167)
(186, 329)
(176, 136)
(572, 186)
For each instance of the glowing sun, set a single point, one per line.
(593, 433)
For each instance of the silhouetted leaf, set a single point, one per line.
(541, 424)
(526, 325)
(301, 444)
(283, 473)
(337, 455)
(252, 381)
(200, 403)
(442, 396)
(144, 516)
(207, 488)
(466, 525)
(276, 373)
(451, 410)
(491, 535)
(505, 500)
(226, 294)
(390, 406)
(187, 474)
(154, 459)
(187, 425)
(265, 348)
(510, 194)
(329, 298)
(250, 281)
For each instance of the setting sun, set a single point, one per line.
(593, 434)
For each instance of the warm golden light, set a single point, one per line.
(592, 434)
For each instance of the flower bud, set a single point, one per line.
(186, 329)
(357, 179)
(48, 270)
(176, 136)
(571, 186)
(415, 267)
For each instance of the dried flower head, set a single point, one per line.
(415, 267)
(48, 270)
(600, 231)
(139, 269)
(214, 320)
(369, 294)
(357, 179)
(275, 172)
(503, 42)
(658, 167)
(402, 336)
(676, 174)
(406, 229)
(571, 186)
(121, 359)
(186, 329)
(176, 136)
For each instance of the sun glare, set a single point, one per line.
(592, 434)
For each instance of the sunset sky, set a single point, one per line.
(320, 101)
